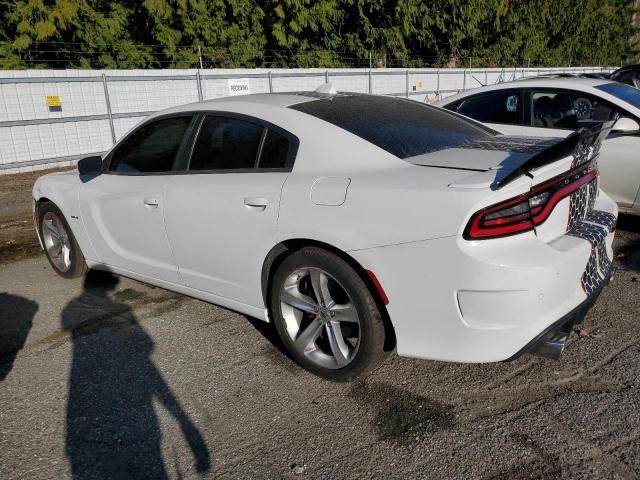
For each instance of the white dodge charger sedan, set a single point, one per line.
(356, 224)
(556, 107)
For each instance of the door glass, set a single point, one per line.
(226, 144)
(152, 148)
(568, 109)
(274, 151)
(496, 107)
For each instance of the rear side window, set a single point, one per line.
(226, 144)
(152, 148)
(403, 128)
(502, 107)
(275, 151)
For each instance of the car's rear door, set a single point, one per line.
(123, 208)
(221, 212)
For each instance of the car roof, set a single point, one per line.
(575, 83)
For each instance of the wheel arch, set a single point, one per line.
(286, 247)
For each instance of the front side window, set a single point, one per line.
(502, 107)
(152, 148)
(226, 144)
(565, 109)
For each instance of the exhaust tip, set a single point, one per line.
(551, 345)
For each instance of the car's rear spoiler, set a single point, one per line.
(583, 145)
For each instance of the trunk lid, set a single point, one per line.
(562, 171)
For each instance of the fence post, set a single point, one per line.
(369, 81)
(326, 76)
(108, 103)
(486, 77)
(406, 94)
(270, 83)
(464, 79)
(199, 85)
(438, 83)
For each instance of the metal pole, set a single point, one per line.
(438, 83)
(108, 103)
(200, 56)
(369, 81)
(486, 77)
(199, 85)
(407, 83)
(326, 76)
(464, 80)
(270, 83)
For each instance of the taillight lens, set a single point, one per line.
(524, 212)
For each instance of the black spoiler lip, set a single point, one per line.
(584, 145)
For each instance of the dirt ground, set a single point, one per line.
(17, 236)
(107, 378)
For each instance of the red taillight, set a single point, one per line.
(526, 211)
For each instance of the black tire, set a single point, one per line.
(78, 265)
(370, 351)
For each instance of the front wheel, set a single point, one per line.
(326, 316)
(60, 246)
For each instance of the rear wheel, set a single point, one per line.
(326, 315)
(60, 246)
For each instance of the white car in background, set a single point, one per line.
(556, 107)
(354, 223)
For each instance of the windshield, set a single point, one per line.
(403, 128)
(623, 92)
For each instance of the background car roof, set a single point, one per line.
(574, 83)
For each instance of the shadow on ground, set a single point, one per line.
(112, 430)
(16, 319)
(627, 243)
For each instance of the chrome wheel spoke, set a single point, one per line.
(319, 282)
(56, 241)
(345, 313)
(310, 334)
(339, 348)
(292, 296)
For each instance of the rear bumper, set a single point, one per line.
(551, 341)
(486, 301)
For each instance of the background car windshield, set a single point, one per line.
(623, 92)
(403, 128)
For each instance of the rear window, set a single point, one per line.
(403, 128)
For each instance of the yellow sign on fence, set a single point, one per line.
(53, 101)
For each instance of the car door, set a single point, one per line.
(221, 213)
(123, 209)
(560, 112)
(501, 110)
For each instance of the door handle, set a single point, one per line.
(255, 203)
(151, 202)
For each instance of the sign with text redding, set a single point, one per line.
(239, 86)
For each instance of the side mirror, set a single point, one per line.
(625, 126)
(90, 165)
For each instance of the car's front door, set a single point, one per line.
(221, 213)
(557, 113)
(122, 208)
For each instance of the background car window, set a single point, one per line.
(152, 148)
(274, 151)
(568, 109)
(495, 107)
(226, 144)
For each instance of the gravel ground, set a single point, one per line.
(110, 378)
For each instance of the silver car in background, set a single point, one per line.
(556, 107)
